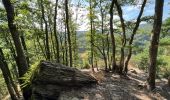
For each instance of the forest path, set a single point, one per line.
(115, 87)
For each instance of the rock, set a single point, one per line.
(169, 81)
(74, 98)
(52, 78)
(98, 97)
(133, 71)
(142, 85)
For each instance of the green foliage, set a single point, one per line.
(86, 65)
(165, 41)
(31, 73)
(141, 60)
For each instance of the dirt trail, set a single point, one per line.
(115, 87)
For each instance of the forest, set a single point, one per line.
(84, 50)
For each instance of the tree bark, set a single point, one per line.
(91, 37)
(23, 66)
(68, 32)
(112, 37)
(7, 77)
(155, 42)
(55, 33)
(132, 36)
(22, 62)
(66, 45)
(25, 48)
(46, 32)
(108, 50)
(120, 13)
(103, 40)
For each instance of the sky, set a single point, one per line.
(129, 12)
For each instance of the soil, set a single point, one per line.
(116, 87)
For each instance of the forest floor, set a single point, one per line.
(115, 87)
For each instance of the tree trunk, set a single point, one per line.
(7, 77)
(13, 53)
(155, 42)
(8, 72)
(22, 67)
(132, 36)
(22, 62)
(66, 48)
(112, 37)
(91, 37)
(46, 32)
(119, 9)
(103, 40)
(68, 32)
(108, 50)
(55, 33)
(25, 48)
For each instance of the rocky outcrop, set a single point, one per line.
(53, 78)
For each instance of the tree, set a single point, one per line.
(91, 35)
(132, 36)
(55, 33)
(155, 42)
(68, 32)
(47, 48)
(123, 39)
(112, 37)
(7, 76)
(22, 62)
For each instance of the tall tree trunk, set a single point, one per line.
(91, 37)
(103, 40)
(8, 73)
(108, 50)
(12, 50)
(68, 32)
(132, 36)
(22, 62)
(55, 33)
(66, 45)
(46, 32)
(112, 37)
(22, 67)
(155, 42)
(120, 13)
(7, 76)
(25, 48)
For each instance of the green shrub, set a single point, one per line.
(141, 60)
(28, 77)
(86, 66)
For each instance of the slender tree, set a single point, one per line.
(55, 33)
(102, 28)
(23, 66)
(91, 35)
(155, 42)
(7, 76)
(112, 37)
(22, 62)
(132, 36)
(120, 13)
(46, 31)
(68, 32)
